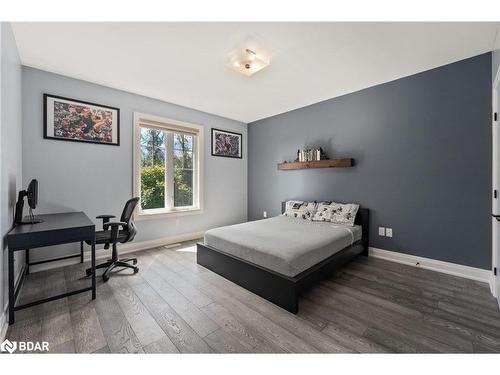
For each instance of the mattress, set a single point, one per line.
(283, 244)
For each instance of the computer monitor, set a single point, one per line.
(32, 194)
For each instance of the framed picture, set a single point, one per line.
(74, 120)
(226, 144)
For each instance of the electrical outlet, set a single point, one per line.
(388, 232)
(381, 231)
(264, 214)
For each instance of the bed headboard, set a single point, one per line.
(362, 218)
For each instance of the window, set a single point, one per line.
(167, 165)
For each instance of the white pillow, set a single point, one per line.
(300, 209)
(336, 213)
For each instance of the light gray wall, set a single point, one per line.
(422, 146)
(495, 63)
(495, 56)
(10, 147)
(98, 178)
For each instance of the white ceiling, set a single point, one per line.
(185, 63)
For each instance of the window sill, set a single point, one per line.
(167, 214)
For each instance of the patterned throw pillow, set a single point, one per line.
(300, 209)
(323, 212)
(336, 213)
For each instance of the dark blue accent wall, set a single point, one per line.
(422, 150)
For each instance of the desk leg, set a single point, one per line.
(93, 268)
(81, 251)
(27, 256)
(11, 287)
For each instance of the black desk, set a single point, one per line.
(55, 229)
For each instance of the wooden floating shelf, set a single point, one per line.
(333, 163)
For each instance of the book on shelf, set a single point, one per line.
(315, 154)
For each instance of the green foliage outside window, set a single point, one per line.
(153, 187)
(183, 191)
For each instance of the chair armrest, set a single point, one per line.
(105, 219)
(105, 216)
(114, 224)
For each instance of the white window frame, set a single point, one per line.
(198, 156)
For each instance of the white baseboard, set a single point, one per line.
(467, 272)
(123, 249)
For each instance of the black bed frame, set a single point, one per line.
(280, 289)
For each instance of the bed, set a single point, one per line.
(280, 257)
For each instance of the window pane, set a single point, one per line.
(183, 170)
(183, 188)
(152, 168)
(183, 142)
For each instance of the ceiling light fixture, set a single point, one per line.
(247, 61)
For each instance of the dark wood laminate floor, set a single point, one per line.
(175, 306)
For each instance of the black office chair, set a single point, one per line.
(114, 236)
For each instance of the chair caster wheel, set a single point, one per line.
(136, 269)
(135, 262)
(88, 271)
